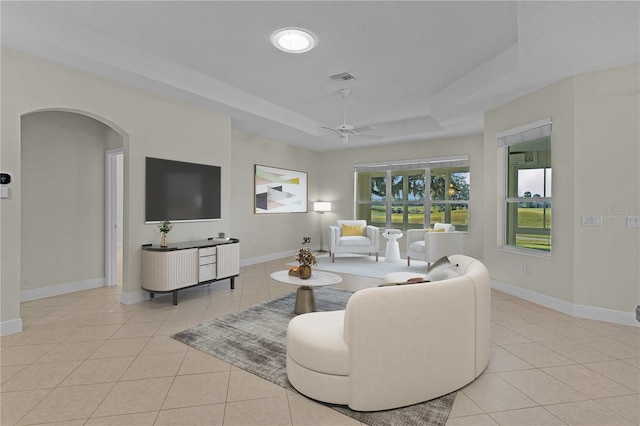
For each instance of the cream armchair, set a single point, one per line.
(353, 236)
(431, 246)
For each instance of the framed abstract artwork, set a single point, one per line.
(279, 190)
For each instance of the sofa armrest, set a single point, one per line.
(438, 244)
(373, 233)
(416, 235)
(334, 235)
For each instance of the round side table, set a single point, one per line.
(392, 254)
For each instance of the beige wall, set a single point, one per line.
(607, 172)
(594, 148)
(553, 276)
(150, 125)
(270, 236)
(62, 199)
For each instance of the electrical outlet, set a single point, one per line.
(523, 270)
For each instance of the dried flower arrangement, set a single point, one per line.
(306, 257)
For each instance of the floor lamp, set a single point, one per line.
(322, 207)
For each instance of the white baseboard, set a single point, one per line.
(11, 327)
(135, 297)
(580, 311)
(603, 314)
(273, 256)
(56, 290)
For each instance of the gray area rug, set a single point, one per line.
(254, 339)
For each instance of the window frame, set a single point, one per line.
(507, 139)
(403, 168)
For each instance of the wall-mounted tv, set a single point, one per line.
(180, 191)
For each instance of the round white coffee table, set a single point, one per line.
(305, 301)
(392, 254)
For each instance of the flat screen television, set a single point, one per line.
(180, 191)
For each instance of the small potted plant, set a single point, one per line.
(305, 258)
(164, 227)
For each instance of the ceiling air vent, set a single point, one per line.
(343, 76)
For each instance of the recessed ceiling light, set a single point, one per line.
(293, 40)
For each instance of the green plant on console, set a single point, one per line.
(165, 227)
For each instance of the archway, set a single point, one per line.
(65, 224)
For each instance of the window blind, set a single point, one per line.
(527, 132)
(428, 163)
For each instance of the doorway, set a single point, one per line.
(114, 216)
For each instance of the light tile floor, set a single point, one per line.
(86, 359)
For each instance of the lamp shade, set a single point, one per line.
(321, 206)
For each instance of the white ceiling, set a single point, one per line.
(424, 69)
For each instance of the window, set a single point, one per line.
(394, 195)
(527, 200)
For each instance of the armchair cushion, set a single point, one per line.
(325, 347)
(355, 241)
(448, 227)
(417, 246)
(351, 230)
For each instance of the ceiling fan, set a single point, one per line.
(344, 131)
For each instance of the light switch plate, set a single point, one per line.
(591, 220)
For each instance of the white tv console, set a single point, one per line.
(182, 265)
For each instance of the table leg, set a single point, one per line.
(305, 301)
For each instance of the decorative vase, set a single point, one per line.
(163, 240)
(304, 271)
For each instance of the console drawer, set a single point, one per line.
(207, 272)
(205, 260)
(207, 251)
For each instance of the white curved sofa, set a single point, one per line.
(397, 345)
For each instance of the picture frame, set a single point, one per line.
(278, 190)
